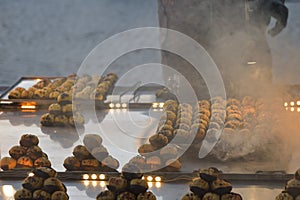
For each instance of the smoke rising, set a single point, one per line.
(236, 40)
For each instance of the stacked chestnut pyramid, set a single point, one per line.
(26, 155)
(209, 186)
(43, 184)
(129, 186)
(92, 156)
(292, 189)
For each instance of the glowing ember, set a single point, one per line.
(161, 105)
(94, 176)
(158, 179)
(155, 105)
(85, 176)
(111, 105)
(102, 176)
(118, 105)
(149, 178)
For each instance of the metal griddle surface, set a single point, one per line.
(123, 132)
(165, 191)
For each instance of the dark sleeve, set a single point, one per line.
(280, 12)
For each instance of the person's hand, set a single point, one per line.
(280, 12)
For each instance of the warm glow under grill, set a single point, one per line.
(118, 106)
(155, 105)
(97, 180)
(94, 177)
(28, 106)
(158, 179)
(149, 178)
(292, 106)
(101, 176)
(85, 176)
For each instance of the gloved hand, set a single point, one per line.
(280, 12)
